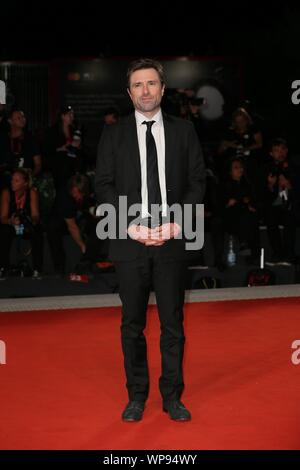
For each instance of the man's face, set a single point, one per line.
(237, 170)
(18, 119)
(110, 119)
(146, 91)
(279, 152)
(240, 122)
(18, 182)
(195, 109)
(68, 118)
(76, 194)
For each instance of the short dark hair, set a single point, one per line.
(241, 112)
(14, 109)
(111, 110)
(65, 109)
(278, 141)
(232, 160)
(235, 159)
(194, 101)
(145, 63)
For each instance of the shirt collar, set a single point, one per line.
(140, 118)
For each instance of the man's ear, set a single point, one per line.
(128, 91)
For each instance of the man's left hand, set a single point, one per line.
(166, 231)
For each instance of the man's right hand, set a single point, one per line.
(144, 235)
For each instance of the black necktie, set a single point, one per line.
(154, 194)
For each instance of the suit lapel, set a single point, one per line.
(133, 146)
(169, 147)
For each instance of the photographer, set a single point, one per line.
(63, 148)
(71, 215)
(19, 215)
(18, 147)
(242, 140)
(239, 208)
(280, 209)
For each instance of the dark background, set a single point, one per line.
(47, 29)
(263, 37)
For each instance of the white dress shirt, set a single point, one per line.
(159, 137)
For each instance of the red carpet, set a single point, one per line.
(63, 384)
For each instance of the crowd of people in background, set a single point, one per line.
(47, 188)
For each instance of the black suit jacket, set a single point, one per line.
(119, 173)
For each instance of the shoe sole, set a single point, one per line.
(180, 420)
(131, 420)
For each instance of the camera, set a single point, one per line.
(196, 101)
(25, 221)
(74, 146)
(77, 135)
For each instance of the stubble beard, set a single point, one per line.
(153, 105)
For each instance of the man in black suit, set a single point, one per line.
(151, 158)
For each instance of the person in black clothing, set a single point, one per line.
(242, 140)
(71, 216)
(110, 116)
(4, 126)
(194, 107)
(280, 159)
(214, 222)
(19, 215)
(279, 208)
(18, 148)
(238, 209)
(152, 159)
(63, 148)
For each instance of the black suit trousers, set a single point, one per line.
(166, 276)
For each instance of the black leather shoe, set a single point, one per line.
(133, 411)
(177, 411)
